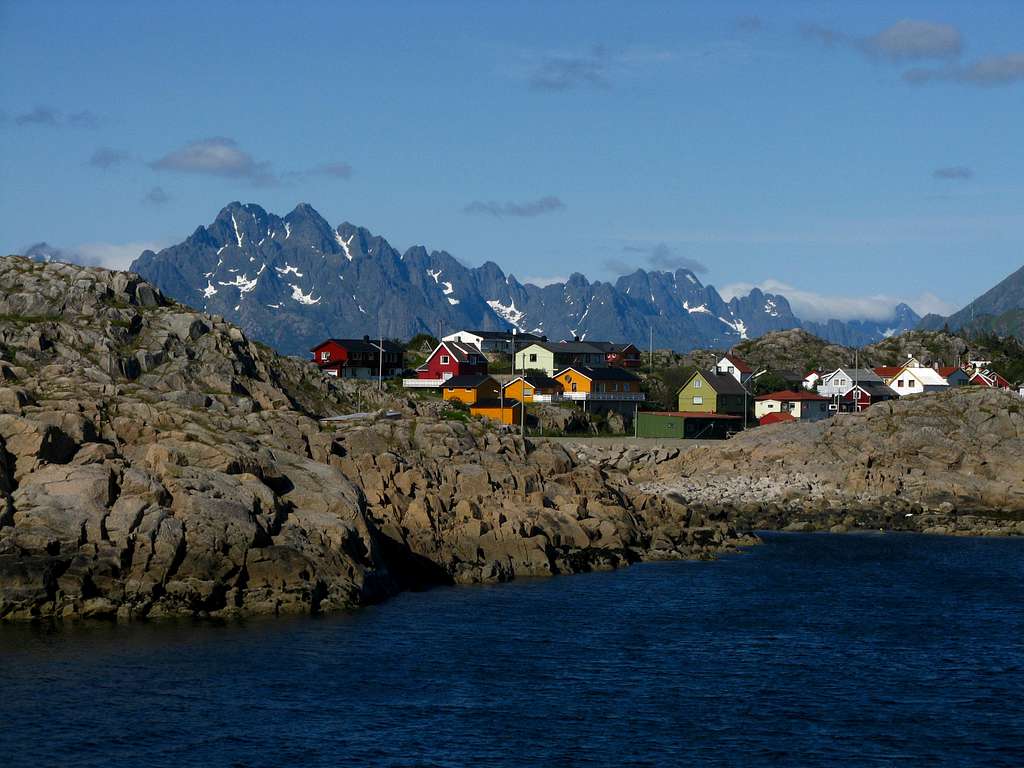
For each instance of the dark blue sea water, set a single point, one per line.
(810, 650)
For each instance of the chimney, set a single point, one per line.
(575, 338)
(366, 338)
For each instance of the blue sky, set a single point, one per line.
(846, 154)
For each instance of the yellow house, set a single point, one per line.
(509, 412)
(470, 389)
(533, 389)
(582, 383)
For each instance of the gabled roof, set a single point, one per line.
(537, 381)
(739, 363)
(776, 418)
(873, 389)
(722, 383)
(500, 335)
(888, 371)
(789, 396)
(612, 346)
(694, 415)
(856, 374)
(600, 374)
(361, 345)
(457, 349)
(927, 376)
(949, 370)
(467, 381)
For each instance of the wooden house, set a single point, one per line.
(470, 388)
(452, 358)
(712, 392)
(802, 405)
(609, 384)
(533, 388)
(359, 358)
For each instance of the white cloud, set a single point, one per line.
(810, 305)
(108, 255)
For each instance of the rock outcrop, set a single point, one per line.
(154, 461)
(945, 463)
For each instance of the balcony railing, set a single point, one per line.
(422, 383)
(547, 398)
(606, 396)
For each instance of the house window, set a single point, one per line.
(731, 369)
(527, 392)
(899, 383)
(698, 400)
(533, 357)
(696, 383)
(325, 355)
(444, 360)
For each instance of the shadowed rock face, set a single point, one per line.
(154, 461)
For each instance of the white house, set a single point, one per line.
(811, 380)
(492, 341)
(842, 380)
(804, 406)
(736, 367)
(913, 381)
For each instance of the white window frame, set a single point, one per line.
(698, 400)
(445, 360)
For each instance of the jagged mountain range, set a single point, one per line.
(292, 281)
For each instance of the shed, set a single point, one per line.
(686, 424)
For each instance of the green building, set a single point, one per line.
(689, 426)
(709, 392)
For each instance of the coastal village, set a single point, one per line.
(507, 376)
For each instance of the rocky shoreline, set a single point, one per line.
(155, 462)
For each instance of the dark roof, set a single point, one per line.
(569, 347)
(739, 363)
(788, 375)
(506, 335)
(722, 383)
(459, 350)
(602, 374)
(537, 381)
(468, 381)
(361, 345)
(875, 389)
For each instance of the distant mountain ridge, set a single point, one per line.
(1000, 309)
(292, 281)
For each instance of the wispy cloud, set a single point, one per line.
(41, 115)
(563, 72)
(108, 255)
(905, 40)
(336, 170)
(548, 204)
(216, 156)
(658, 256)
(106, 158)
(954, 173)
(750, 23)
(990, 71)
(811, 305)
(156, 196)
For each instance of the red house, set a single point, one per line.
(358, 358)
(453, 358)
(990, 379)
(619, 355)
(864, 395)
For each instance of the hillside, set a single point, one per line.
(1001, 305)
(292, 281)
(154, 461)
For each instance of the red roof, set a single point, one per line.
(741, 365)
(888, 371)
(787, 396)
(948, 371)
(776, 418)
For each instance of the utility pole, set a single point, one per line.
(650, 352)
